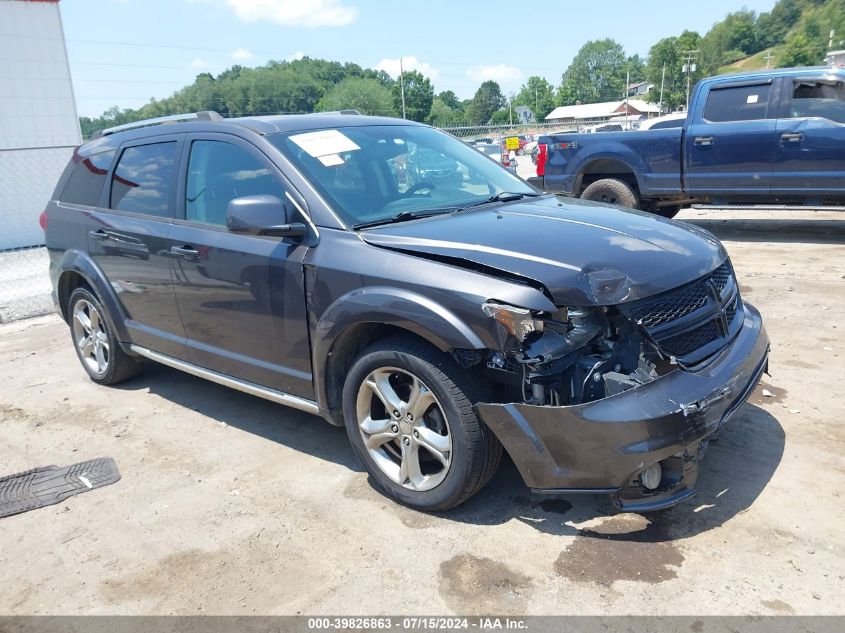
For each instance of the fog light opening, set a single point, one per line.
(650, 478)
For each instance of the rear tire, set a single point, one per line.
(440, 455)
(612, 191)
(94, 340)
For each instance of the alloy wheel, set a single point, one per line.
(90, 337)
(404, 428)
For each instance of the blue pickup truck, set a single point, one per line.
(772, 138)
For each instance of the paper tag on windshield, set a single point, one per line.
(752, 99)
(332, 160)
(324, 142)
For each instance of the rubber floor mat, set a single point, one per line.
(45, 486)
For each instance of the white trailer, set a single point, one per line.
(39, 128)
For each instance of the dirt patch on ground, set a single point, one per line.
(473, 585)
(166, 576)
(778, 605)
(624, 547)
(766, 393)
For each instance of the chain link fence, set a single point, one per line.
(24, 281)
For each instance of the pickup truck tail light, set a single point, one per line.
(542, 152)
(42, 220)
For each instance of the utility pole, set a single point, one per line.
(402, 86)
(689, 69)
(510, 108)
(627, 92)
(662, 83)
(769, 57)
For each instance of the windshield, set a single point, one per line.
(370, 173)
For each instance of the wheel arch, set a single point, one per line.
(599, 168)
(76, 269)
(363, 317)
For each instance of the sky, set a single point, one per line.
(123, 52)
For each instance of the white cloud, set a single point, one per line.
(241, 55)
(391, 67)
(295, 56)
(501, 73)
(199, 62)
(308, 13)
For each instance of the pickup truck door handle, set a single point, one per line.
(704, 140)
(188, 252)
(792, 137)
(98, 235)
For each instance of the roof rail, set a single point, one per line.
(348, 111)
(205, 115)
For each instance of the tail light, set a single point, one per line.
(542, 153)
(42, 220)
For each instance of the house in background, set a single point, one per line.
(39, 128)
(640, 89)
(524, 114)
(597, 112)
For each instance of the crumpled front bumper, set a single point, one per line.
(602, 446)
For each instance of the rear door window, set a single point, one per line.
(86, 179)
(143, 179)
(818, 99)
(738, 103)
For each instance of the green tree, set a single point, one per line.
(487, 99)
(737, 32)
(596, 74)
(367, 95)
(442, 115)
(501, 117)
(419, 95)
(450, 99)
(799, 51)
(772, 27)
(538, 94)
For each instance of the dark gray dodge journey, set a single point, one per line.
(390, 278)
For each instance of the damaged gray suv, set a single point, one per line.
(391, 279)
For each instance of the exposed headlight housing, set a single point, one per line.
(519, 322)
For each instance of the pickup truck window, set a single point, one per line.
(818, 99)
(737, 103)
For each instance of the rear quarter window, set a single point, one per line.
(738, 103)
(86, 178)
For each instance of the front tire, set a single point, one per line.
(94, 341)
(408, 414)
(612, 191)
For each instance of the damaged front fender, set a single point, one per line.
(601, 446)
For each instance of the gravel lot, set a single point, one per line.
(229, 504)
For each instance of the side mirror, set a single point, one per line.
(262, 215)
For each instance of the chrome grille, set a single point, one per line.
(694, 321)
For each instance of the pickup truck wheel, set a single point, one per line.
(612, 191)
(408, 414)
(95, 343)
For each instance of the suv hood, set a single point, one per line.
(582, 253)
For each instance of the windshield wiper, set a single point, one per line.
(502, 196)
(404, 216)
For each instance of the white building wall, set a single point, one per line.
(38, 123)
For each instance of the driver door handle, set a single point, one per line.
(792, 137)
(186, 251)
(704, 140)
